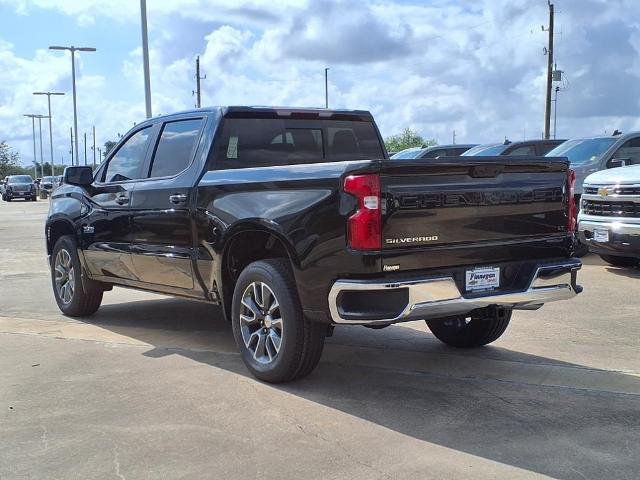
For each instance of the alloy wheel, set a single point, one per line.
(64, 276)
(261, 322)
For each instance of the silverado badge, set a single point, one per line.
(603, 191)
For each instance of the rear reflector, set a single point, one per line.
(572, 211)
(364, 226)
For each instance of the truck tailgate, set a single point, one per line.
(455, 201)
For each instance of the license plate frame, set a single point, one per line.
(482, 279)
(601, 235)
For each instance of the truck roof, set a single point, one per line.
(275, 112)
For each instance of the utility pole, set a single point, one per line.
(198, 91)
(145, 57)
(454, 137)
(326, 88)
(549, 52)
(85, 149)
(41, 156)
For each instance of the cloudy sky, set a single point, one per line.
(476, 67)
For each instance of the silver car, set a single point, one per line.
(589, 155)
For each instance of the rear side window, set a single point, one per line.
(176, 147)
(126, 164)
(253, 142)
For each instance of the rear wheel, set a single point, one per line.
(471, 331)
(617, 261)
(276, 341)
(73, 298)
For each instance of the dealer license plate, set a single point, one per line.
(601, 235)
(486, 278)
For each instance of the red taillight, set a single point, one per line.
(572, 213)
(364, 226)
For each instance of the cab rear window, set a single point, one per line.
(260, 142)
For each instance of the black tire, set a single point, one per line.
(8, 199)
(620, 261)
(84, 300)
(301, 340)
(34, 199)
(471, 332)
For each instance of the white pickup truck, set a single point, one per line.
(609, 219)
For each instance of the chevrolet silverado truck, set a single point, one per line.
(609, 219)
(296, 221)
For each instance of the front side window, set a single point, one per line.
(630, 151)
(176, 147)
(435, 153)
(524, 150)
(127, 162)
(252, 142)
(582, 151)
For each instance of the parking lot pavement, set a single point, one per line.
(152, 387)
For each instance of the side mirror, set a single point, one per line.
(618, 162)
(81, 176)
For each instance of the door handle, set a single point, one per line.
(178, 198)
(122, 198)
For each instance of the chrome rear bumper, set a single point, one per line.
(440, 297)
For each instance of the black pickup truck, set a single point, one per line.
(295, 221)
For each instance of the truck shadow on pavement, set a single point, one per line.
(546, 416)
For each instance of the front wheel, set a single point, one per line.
(471, 331)
(617, 261)
(73, 298)
(277, 343)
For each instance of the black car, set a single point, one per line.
(296, 221)
(434, 151)
(19, 186)
(535, 148)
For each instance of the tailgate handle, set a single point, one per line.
(486, 171)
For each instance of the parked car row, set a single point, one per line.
(609, 200)
(23, 186)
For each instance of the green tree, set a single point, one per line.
(59, 169)
(407, 139)
(108, 146)
(8, 161)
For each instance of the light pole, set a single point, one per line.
(48, 94)
(326, 88)
(73, 50)
(40, 117)
(145, 56)
(33, 127)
